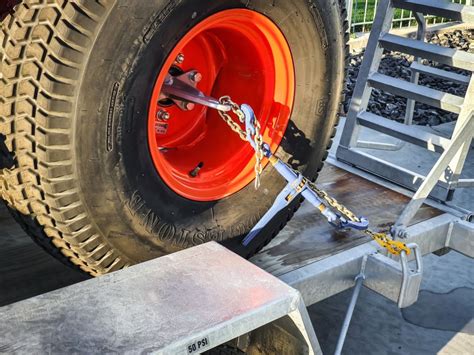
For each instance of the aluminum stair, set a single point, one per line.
(350, 149)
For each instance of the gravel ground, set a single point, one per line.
(397, 65)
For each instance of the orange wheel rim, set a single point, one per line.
(240, 53)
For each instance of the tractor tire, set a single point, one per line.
(224, 350)
(77, 83)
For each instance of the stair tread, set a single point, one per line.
(453, 11)
(419, 136)
(419, 93)
(464, 79)
(445, 55)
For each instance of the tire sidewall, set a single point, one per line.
(131, 204)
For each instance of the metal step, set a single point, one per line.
(439, 73)
(399, 175)
(411, 134)
(444, 55)
(419, 93)
(184, 303)
(456, 12)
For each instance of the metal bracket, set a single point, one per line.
(395, 280)
(411, 278)
(409, 289)
(183, 90)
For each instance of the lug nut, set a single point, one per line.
(196, 76)
(189, 106)
(163, 115)
(180, 58)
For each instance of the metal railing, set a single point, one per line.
(361, 14)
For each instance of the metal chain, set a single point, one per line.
(258, 138)
(332, 202)
(393, 246)
(259, 154)
(225, 100)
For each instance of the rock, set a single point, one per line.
(395, 114)
(397, 64)
(355, 61)
(433, 121)
(391, 107)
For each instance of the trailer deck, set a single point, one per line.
(27, 271)
(312, 258)
(308, 237)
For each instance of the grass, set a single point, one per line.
(358, 18)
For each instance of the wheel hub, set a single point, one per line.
(236, 52)
(182, 90)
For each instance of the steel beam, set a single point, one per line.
(370, 63)
(415, 76)
(433, 234)
(462, 238)
(384, 275)
(462, 138)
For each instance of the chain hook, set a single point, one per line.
(252, 134)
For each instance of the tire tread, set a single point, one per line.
(44, 49)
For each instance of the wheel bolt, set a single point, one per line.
(163, 115)
(180, 58)
(194, 173)
(196, 77)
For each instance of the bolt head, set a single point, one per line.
(189, 106)
(163, 115)
(196, 77)
(180, 58)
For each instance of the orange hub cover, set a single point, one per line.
(239, 53)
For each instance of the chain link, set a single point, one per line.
(257, 137)
(332, 202)
(393, 246)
